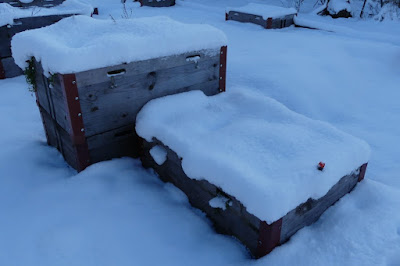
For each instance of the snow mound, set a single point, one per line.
(266, 11)
(252, 147)
(82, 43)
(8, 13)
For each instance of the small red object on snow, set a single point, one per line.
(321, 166)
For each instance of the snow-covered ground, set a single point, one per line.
(116, 213)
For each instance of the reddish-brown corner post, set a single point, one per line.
(222, 68)
(363, 169)
(74, 113)
(269, 237)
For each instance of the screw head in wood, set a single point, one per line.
(73, 82)
(76, 98)
(79, 114)
(82, 129)
(220, 77)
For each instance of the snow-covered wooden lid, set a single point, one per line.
(265, 11)
(253, 147)
(82, 43)
(8, 13)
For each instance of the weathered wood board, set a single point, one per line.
(38, 3)
(269, 23)
(258, 236)
(8, 68)
(98, 108)
(157, 3)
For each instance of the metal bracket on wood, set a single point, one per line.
(74, 112)
(269, 237)
(363, 169)
(269, 23)
(222, 68)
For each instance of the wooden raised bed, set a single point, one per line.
(30, 18)
(38, 3)
(90, 116)
(157, 3)
(8, 68)
(269, 20)
(257, 235)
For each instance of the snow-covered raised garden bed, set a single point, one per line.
(269, 17)
(30, 3)
(250, 163)
(157, 3)
(94, 76)
(14, 20)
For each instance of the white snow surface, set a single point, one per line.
(116, 213)
(159, 154)
(8, 13)
(335, 6)
(252, 147)
(266, 11)
(219, 202)
(82, 43)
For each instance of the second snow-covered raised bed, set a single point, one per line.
(270, 17)
(93, 76)
(157, 3)
(33, 3)
(14, 20)
(250, 163)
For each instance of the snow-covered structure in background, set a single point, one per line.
(14, 20)
(95, 75)
(269, 17)
(33, 3)
(250, 163)
(339, 8)
(157, 3)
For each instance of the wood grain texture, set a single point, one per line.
(258, 236)
(308, 212)
(270, 23)
(59, 138)
(157, 3)
(113, 102)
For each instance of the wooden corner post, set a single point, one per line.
(222, 68)
(269, 237)
(75, 119)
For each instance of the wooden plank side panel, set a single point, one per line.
(59, 138)
(10, 68)
(115, 103)
(245, 17)
(310, 211)
(115, 143)
(50, 96)
(234, 220)
(282, 22)
(157, 3)
(128, 71)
